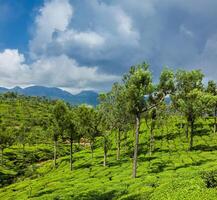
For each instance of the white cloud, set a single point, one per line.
(58, 71)
(63, 71)
(88, 39)
(11, 61)
(11, 64)
(105, 31)
(54, 16)
(124, 25)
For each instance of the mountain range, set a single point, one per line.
(87, 97)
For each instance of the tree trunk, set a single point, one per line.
(136, 145)
(55, 153)
(2, 156)
(105, 157)
(125, 139)
(71, 143)
(118, 144)
(181, 124)
(151, 140)
(79, 141)
(215, 120)
(186, 131)
(215, 125)
(23, 147)
(91, 148)
(192, 135)
(24, 152)
(105, 148)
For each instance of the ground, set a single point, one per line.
(171, 172)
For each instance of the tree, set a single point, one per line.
(152, 116)
(190, 97)
(54, 132)
(141, 96)
(138, 84)
(60, 110)
(71, 130)
(104, 124)
(212, 89)
(23, 134)
(6, 139)
(106, 146)
(114, 110)
(58, 124)
(157, 103)
(88, 124)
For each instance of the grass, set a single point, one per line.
(170, 173)
(19, 164)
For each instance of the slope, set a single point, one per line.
(170, 173)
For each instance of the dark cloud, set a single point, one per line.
(172, 32)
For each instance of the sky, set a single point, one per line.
(89, 44)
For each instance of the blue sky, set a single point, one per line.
(89, 44)
(16, 19)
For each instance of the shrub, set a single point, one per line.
(210, 178)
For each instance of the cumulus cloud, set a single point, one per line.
(11, 64)
(66, 72)
(116, 34)
(88, 39)
(58, 71)
(54, 16)
(96, 33)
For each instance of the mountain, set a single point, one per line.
(88, 97)
(2, 90)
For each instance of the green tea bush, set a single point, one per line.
(210, 178)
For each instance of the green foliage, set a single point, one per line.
(87, 122)
(190, 98)
(138, 83)
(210, 178)
(170, 173)
(6, 137)
(59, 112)
(35, 131)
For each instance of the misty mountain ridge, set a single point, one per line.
(87, 97)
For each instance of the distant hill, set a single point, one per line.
(88, 97)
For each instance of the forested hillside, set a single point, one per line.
(53, 93)
(134, 145)
(23, 126)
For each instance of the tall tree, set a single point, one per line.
(71, 123)
(58, 124)
(23, 134)
(88, 124)
(157, 103)
(106, 146)
(138, 85)
(141, 96)
(54, 132)
(190, 98)
(152, 117)
(104, 126)
(118, 120)
(212, 89)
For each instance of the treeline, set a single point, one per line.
(182, 93)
